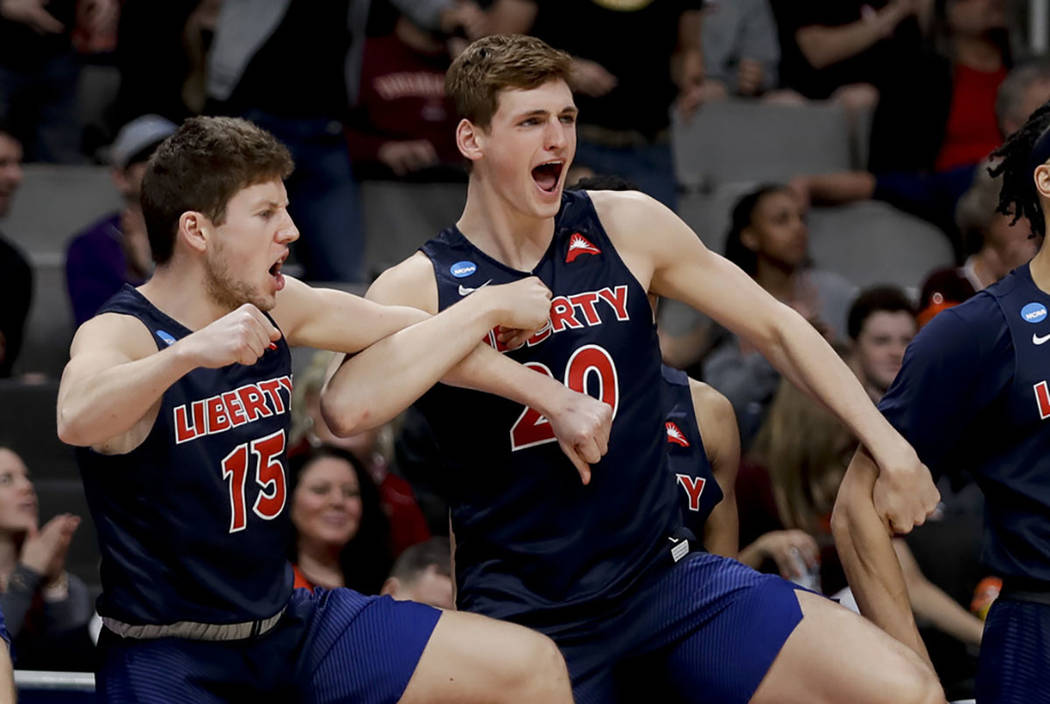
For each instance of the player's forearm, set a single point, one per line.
(866, 551)
(94, 408)
(361, 395)
(487, 370)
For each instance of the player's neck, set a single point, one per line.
(1040, 268)
(179, 292)
(497, 228)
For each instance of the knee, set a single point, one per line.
(540, 674)
(922, 686)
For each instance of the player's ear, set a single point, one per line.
(470, 139)
(1042, 180)
(194, 230)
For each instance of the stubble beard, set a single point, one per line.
(221, 287)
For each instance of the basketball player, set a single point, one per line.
(603, 568)
(177, 397)
(703, 454)
(973, 396)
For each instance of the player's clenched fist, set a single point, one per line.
(904, 494)
(241, 336)
(582, 424)
(523, 305)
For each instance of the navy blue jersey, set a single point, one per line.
(972, 396)
(690, 467)
(191, 523)
(530, 537)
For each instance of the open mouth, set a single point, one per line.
(548, 175)
(275, 271)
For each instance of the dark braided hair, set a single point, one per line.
(1018, 195)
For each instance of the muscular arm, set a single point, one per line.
(717, 423)
(352, 396)
(865, 547)
(114, 379)
(668, 258)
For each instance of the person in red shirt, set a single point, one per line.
(403, 123)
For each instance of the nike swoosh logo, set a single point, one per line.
(464, 291)
(1040, 340)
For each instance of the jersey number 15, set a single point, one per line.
(269, 475)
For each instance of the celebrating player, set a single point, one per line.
(177, 395)
(973, 396)
(603, 567)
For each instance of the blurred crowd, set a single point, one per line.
(355, 89)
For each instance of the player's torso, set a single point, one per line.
(691, 470)
(1015, 474)
(192, 523)
(529, 535)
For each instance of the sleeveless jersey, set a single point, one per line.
(191, 523)
(530, 538)
(973, 395)
(690, 468)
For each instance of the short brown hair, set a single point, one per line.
(496, 63)
(200, 168)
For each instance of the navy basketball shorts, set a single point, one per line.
(705, 630)
(330, 646)
(1015, 654)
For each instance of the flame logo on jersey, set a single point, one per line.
(578, 244)
(675, 435)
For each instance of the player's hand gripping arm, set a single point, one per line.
(864, 544)
(580, 422)
(663, 249)
(116, 376)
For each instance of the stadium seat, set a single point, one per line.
(55, 202)
(399, 217)
(874, 243)
(731, 141)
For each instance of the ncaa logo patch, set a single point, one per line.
(463, 269)
(1033, 313)
(166, 336)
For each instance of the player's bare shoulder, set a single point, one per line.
(410, 283)
(709, 404)
(623, 211)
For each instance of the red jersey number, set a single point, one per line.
(531, 428)
(269, 475)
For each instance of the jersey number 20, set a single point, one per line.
(533, 429)
(269, 474)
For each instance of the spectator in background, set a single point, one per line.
(423, 573)
(403, 125)
(39, 71)
(115, 250)
(372, 449)
(341, 533)
(1001, 246)
(881, 326)
(769, 240)
(786, 491)
(161, 52)
(940, 118)
(16, 276)
(741, 49)
(293, 67)
(632, 63)
(846, 49)
(47, 608)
